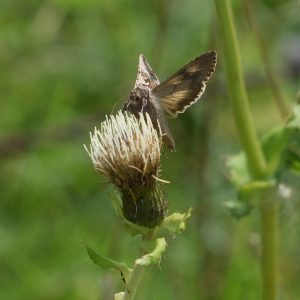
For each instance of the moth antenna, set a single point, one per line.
(114, 106)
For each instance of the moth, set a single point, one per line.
(172, 96)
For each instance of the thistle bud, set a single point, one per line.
(127, 151)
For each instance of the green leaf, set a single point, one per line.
(176, 222)
(107, 263)
(155, 256)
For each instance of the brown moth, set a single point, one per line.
(172, 96)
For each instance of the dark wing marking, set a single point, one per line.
(145, 74)
(187, 85)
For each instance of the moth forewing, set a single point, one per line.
(186, 86)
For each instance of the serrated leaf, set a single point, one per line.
(107, 263)
(155, 256)
(176, 222)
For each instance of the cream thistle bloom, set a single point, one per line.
(127, 151)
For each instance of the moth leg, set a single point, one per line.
(144, 103)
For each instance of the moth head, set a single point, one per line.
(140, 92)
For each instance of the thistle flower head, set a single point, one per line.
(127, 151)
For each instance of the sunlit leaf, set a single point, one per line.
(155, 256)
(176, 222)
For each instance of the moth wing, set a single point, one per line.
(187, 85)
(145, 75)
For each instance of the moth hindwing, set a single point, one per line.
(187, 85)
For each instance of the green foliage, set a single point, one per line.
(153, 257)
(281, 148)
(176, 222)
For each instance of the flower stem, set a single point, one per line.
(133, 282)
(255, 157)
(137, 271)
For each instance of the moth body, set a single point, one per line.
(142, 100)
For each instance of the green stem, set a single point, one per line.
(237, 90)
(247, 133)
(269, 237)
(133, 282)
(137, 271)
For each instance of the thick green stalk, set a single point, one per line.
(247, 133)
(237, 90)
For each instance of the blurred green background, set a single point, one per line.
(64, 65)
